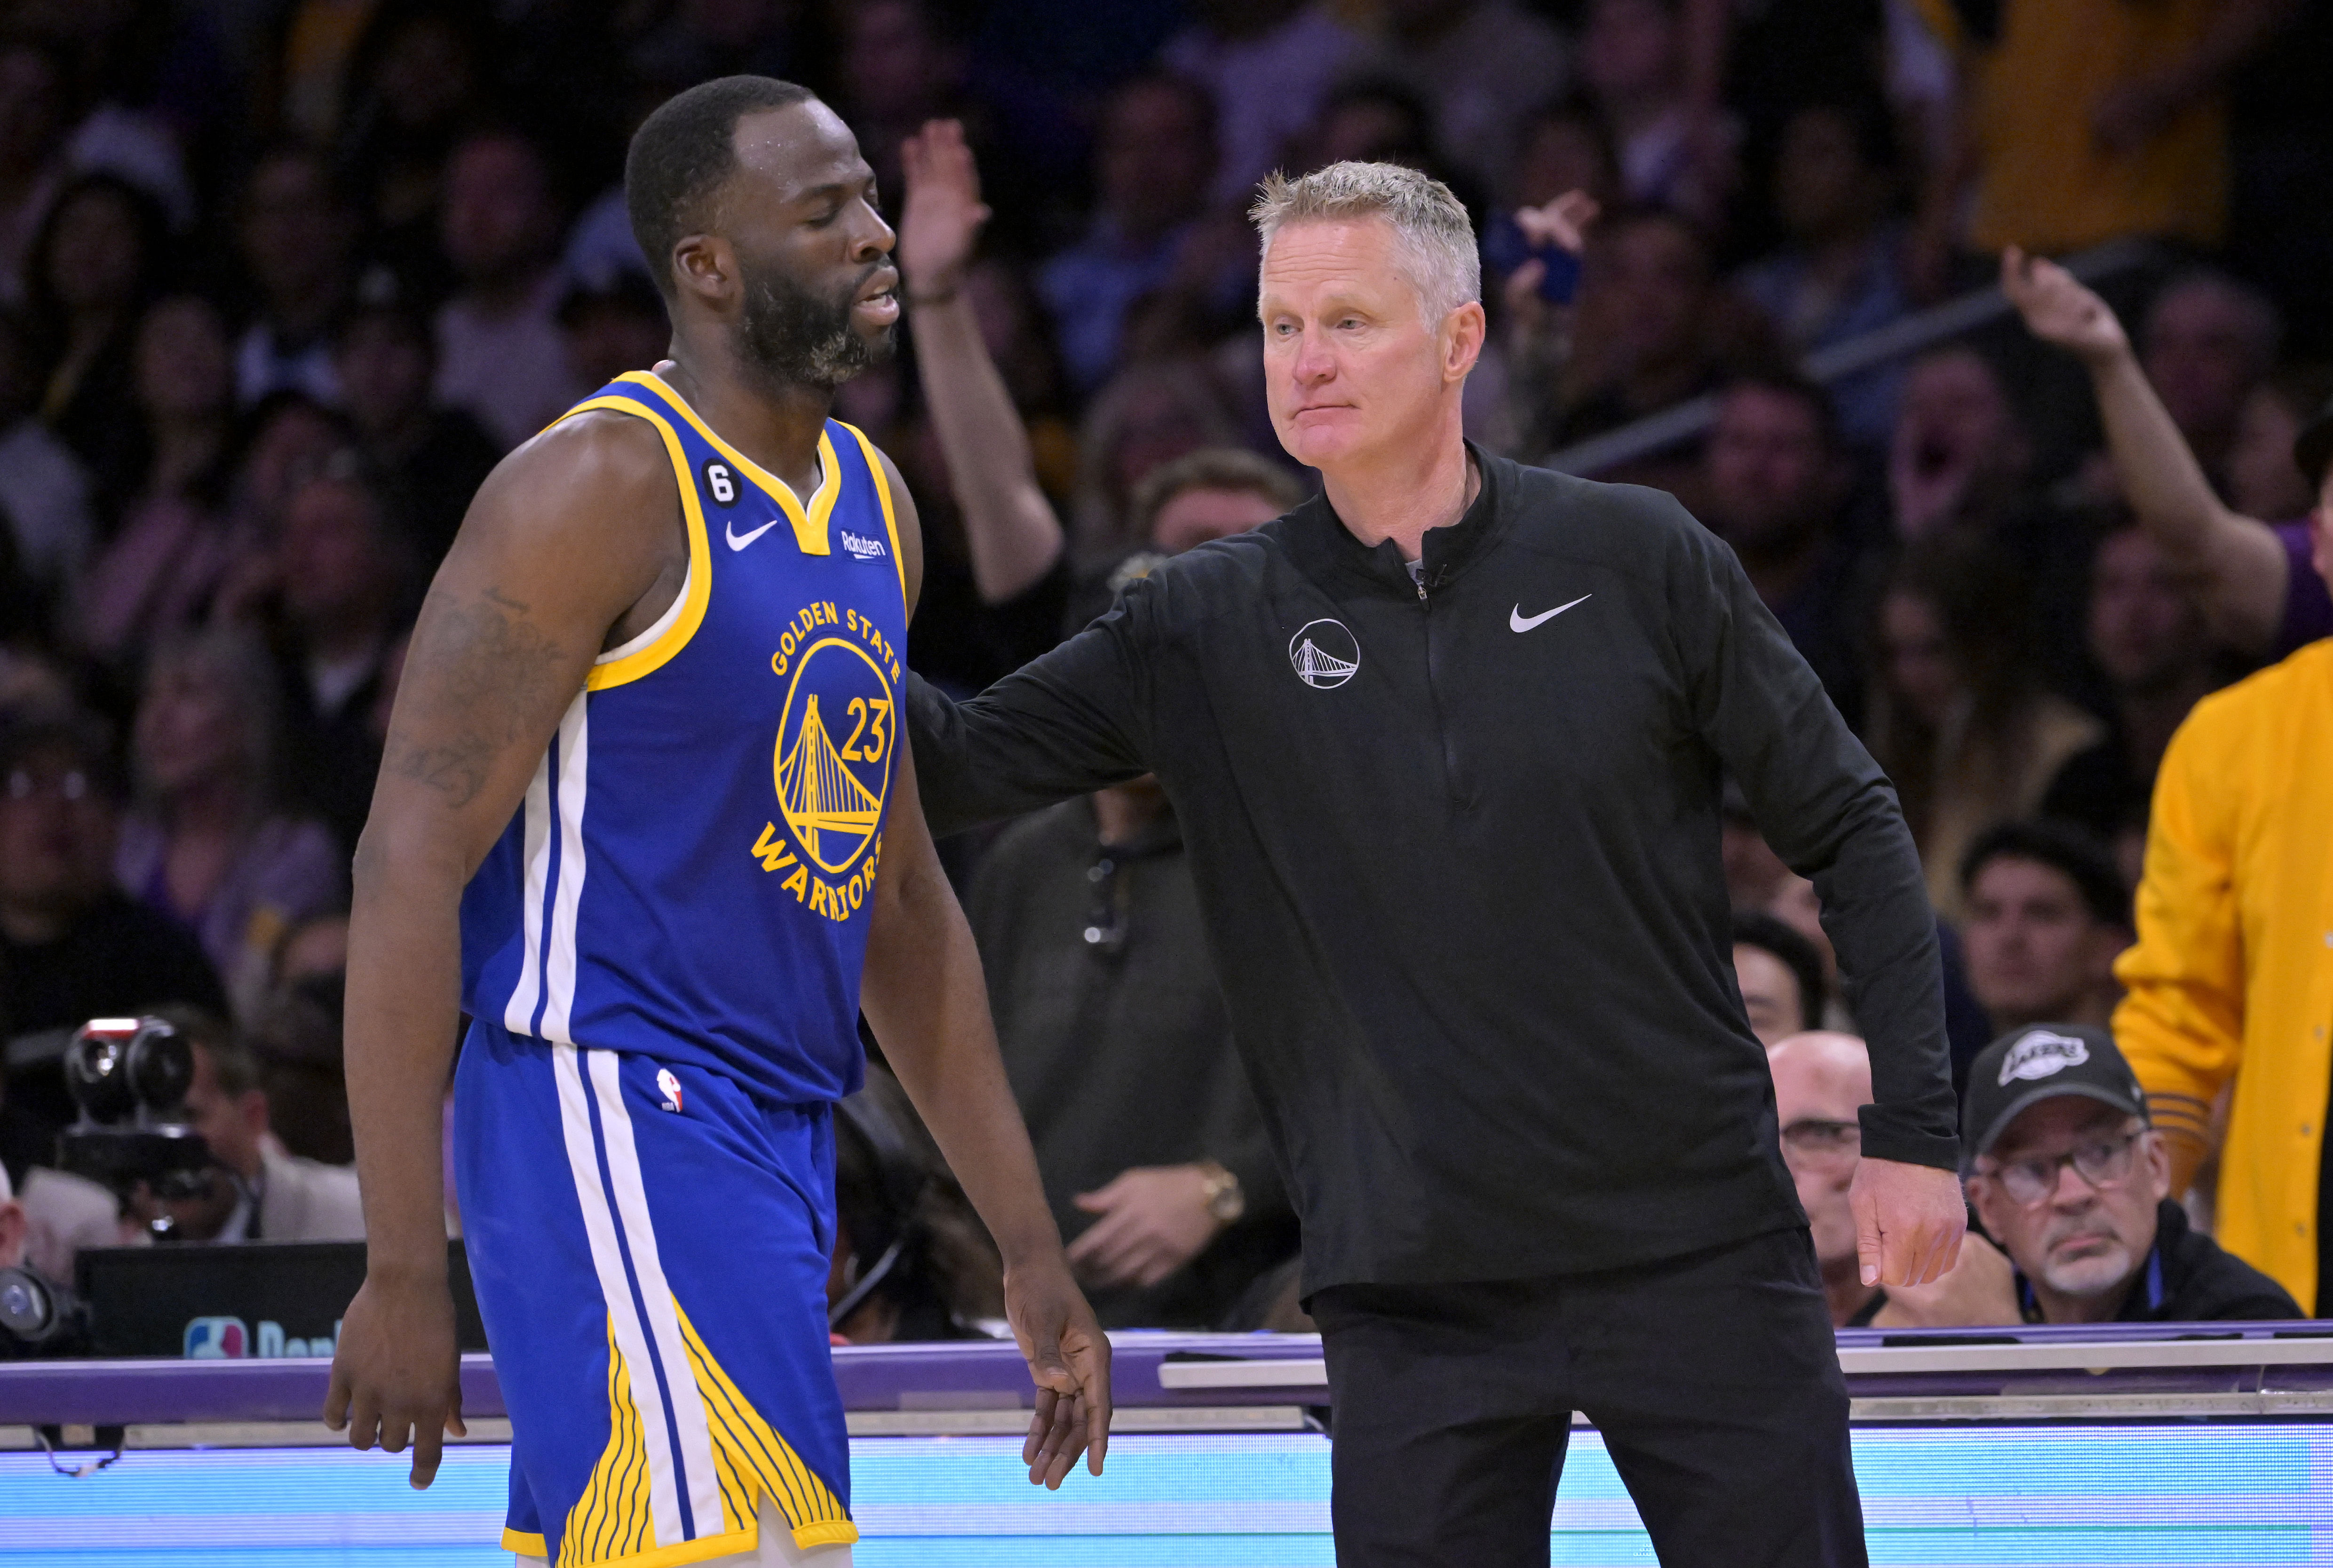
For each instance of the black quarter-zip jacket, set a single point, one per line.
(1456, 841)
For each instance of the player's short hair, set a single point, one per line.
(1233, 468)
(2069, 850)
(683, 152)
(1436, 238)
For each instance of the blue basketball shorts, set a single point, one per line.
(651, 1248)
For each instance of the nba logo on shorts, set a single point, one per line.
(217, 1339)
(669, 1086)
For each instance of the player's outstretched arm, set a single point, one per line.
(553, 554)
(928, 1004)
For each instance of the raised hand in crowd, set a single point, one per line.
(1562, 223)
(1010, 527)
(2240, 567)
(942, 214)
(2061, 309)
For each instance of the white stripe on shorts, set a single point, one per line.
(608, 1263)
(664, 1323)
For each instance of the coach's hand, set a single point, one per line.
(1068, 1357)
(396, 1375)
(1908, 1221)
(1980, 1288)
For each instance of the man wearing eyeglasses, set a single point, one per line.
(1822, 1081)
(72, 945)
(2069, 1176)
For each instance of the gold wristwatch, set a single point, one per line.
(1221, 1192)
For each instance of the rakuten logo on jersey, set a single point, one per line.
(859, 545)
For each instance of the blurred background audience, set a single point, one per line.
(1780, 974)
(1821, 1078)
(281, 281)
(2046, 915)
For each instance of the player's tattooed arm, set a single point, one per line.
(574, 538)
(495, 669)
(552, 561)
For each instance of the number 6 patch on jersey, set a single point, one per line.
(720, 483)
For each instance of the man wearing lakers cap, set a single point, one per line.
(2073, 1181)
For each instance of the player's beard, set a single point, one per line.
(797, 339)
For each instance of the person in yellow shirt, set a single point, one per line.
(2230, 982)
(2086, 120)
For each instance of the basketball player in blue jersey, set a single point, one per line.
(648, 816)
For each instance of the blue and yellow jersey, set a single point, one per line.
(693, 872)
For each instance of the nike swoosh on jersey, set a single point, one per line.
(1515, 616)
(737, 543)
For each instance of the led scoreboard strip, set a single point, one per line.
(2031, 1447)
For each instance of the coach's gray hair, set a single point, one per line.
(1430, 225)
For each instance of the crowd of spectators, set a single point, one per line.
(282, 280)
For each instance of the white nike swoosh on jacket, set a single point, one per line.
(1515, 616)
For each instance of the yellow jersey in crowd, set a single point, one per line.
(2231, 978)
(2044, 181)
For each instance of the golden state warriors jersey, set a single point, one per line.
(693, 872)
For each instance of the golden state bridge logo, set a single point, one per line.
(833, 762)
(1324, 654)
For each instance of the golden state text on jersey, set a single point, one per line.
(693, 872)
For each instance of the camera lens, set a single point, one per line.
(26, 1310)
(96, 1070)
(161, 1066)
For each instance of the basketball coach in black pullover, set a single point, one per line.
(1446, 743)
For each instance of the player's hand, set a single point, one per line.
(397, 1377)
(1908, 1221)
(1068, 1357)
(1153, 1220)
(2059, 310)
(1979, 1290)
(941, 218)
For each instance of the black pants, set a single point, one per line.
(1712, 1378)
